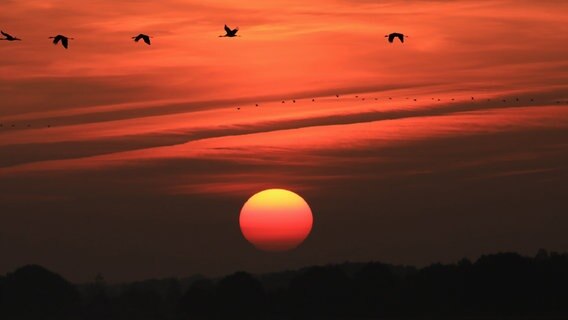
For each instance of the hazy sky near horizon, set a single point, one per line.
(147, 160)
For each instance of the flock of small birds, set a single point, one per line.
(416, 100)
(473, 99)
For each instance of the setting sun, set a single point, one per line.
(276, 220)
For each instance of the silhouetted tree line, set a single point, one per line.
(504, 285)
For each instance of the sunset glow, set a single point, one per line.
(452, 143)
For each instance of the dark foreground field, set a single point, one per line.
(498, 286)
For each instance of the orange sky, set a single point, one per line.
(148, 141)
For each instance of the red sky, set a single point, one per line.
(148, 161)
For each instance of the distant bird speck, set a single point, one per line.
(63, 39)
(230, 32)
(395, 35)
(9, 37)
(144, 37)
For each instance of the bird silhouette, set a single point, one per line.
(144, 37)
(63, 39)
(395, 35)
(230, 32)
(9, 37)
(313, 100)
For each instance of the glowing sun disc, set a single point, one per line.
(276, 220)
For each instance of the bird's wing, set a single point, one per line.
(137, 38)
(5, 34)
(401, 37)
(391, 37)
(65, 42)
(235, 30)
(56, 39)
(227, 29)
(147, 40)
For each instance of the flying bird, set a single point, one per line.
(230, 32)
(9, 37)
(395, 35)
(144, 37)
(64, 40)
